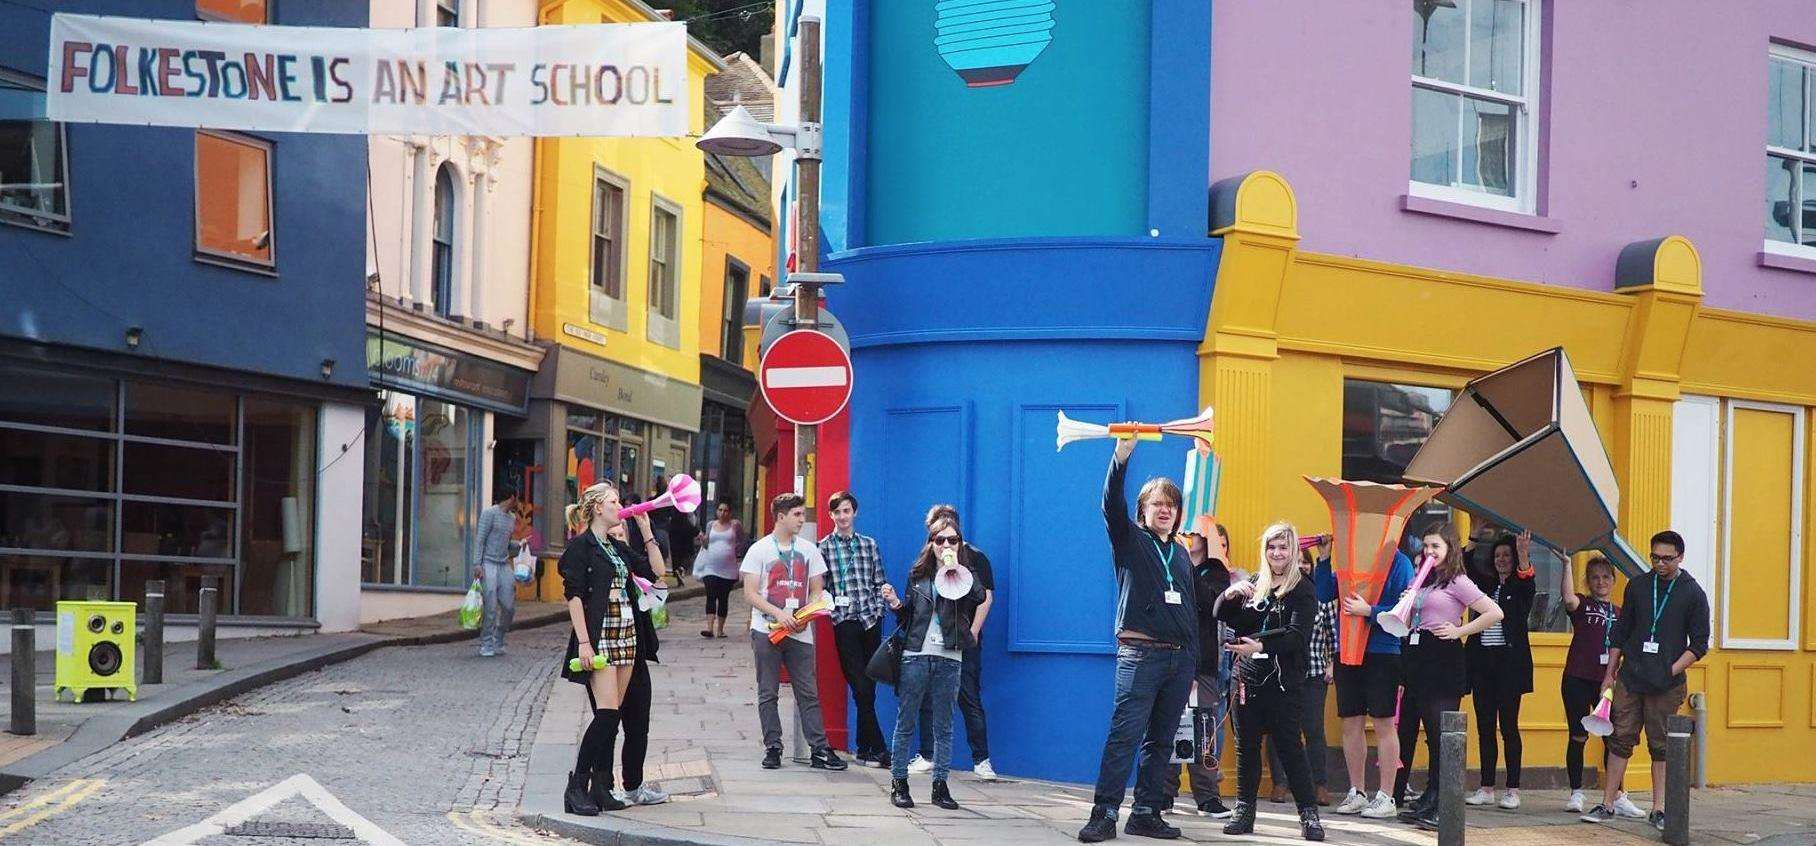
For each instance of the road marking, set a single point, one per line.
(805, 377)
(477, 823)
(262, 801)
(71, 795)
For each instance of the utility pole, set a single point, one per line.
(807, 228)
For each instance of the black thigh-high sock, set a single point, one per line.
(583, 756)
(1573, 762)
(597, 745)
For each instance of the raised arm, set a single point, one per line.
(1567, 586)
(1115, 505)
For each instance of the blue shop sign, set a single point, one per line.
(410, 365)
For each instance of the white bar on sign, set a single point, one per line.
(804, 377)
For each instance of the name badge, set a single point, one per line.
(1413, 639)
(1173, 597)
(1650, 647)
(1261, 656)
(792, 605)
(1604, 657)
(843, 602)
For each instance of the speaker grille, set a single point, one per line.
(104, 659)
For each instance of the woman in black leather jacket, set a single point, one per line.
(935, 633)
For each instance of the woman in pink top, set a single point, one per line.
(1435, 674)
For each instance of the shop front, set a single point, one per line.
(725, 457)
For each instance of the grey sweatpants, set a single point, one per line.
(799, 658)
(499, 587)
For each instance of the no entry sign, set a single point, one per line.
(805, 377)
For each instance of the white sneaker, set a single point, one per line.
(1510, 800)
(1482, 796)
(1383, 808)
(918, 765)
(1624, 807)
(645, 795)
(1352, 803)
(1575, 805)
(984, 771)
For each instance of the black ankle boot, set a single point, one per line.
(1149, 824)
(898, 793)
(577, 800)
(1244, 820)
(1309, 826)
(602, 792)
(942, 797)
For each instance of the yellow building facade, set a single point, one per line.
(1703, 412)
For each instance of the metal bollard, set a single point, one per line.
(25, 683)
(1679, 729)
(1453, 752)
(153, 650)
(1699, 709)
(204, 635)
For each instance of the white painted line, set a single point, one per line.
(262, 801)
(805, 377)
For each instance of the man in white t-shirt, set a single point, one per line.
(783, 573)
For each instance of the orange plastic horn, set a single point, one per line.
(1367, 520)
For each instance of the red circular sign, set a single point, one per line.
(805, 377)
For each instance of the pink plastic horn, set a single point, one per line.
(1398, 622)
(683, 494)
(1598, 722)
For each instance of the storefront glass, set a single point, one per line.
(422, 492)
(727, 460)
(604, 448)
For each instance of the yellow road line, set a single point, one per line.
(473, 823)
(485, 823)
(69, 800)
(46, 799)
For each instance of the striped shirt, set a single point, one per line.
(1323, 644)
(857, 575)
(493, 542)
(1493, 635)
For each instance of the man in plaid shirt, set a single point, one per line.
(1320, 669)
(857, 615)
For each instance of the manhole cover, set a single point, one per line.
(323, 831)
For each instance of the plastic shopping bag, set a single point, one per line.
(654, 599)
(471, 607)
(523, 567)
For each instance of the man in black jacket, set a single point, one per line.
(1156, 653)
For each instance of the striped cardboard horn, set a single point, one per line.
(1366, 522)
(1070, 430)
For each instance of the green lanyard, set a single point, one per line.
(1166, 561)
(630, 584)
(1658, 608)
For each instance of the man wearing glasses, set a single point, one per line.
(1663, 628)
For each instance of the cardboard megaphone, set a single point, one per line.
(1600, 721)
(1069, 430)
(1398, 622)
(1366, 523)
(683, 493)
(952, 581)
(1518, 446)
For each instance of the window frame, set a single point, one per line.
(440, 302)
(604, 309)
(731, 312)
(203, 15)
(235, 260)
(1807, 60)
(1794, 622)
(450, 8)
(59, 224)
(664, 326)
(1526, 107)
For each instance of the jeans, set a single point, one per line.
(928, 684)
(1211, 712)
(1266, 709)
(856, 644)
(498, 586)
(1497, 704)
(970, 704)
(1311, 729)
(799, 657)
(1152, 685)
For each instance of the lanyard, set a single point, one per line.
(1658, 608)
(623, 572)
(792, 558)
(1166, 559)
(1418, 606)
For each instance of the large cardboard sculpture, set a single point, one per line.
(1519, 447)
(1203, 476)
(1366, 521)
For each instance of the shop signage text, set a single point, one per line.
(411, 365)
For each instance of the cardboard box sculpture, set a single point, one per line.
(1367, 520)
(1519, 447)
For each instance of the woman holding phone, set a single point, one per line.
(936, 632)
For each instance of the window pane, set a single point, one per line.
(277, 519)
(44, 521)
(1434, 137)
(1437, 39)
(1383, 427)
(38, 582)
(31, 168)
(179, 413)
(442, 558)
(242, 11)
(44, 460)
(1781, 197)
(192, 531)
(180, 472)
(233, 202)
(389, 446)
(585, 455)
(1809, 100)
(1806, 200)
(1488, 146)
(1497, 36)
(182, 584)
(68, 400)
(1784, 109)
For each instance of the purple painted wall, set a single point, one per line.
(1654, 123)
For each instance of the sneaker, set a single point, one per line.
(1215, 809)
(918, 765)
(984, 771)
(1624, 807)
(1353, 803)
(1598, 814)
(1150, 825)
(1101, 827)
(1510, 801)
(1657, 819)
(826, 759)
(1481, 796)
(1309, 826)
(772, 758)
(646, 795)
(1575, 805)
(1383, 808)
(487, 653)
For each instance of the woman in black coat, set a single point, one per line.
(1500, 665)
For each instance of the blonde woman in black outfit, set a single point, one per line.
(1271, 619)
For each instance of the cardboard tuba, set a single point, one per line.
(1366, 521)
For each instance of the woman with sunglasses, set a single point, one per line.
(936, 633)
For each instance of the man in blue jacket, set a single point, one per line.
(1370, 690)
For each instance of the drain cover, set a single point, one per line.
(323, 831)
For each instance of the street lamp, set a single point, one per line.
(739, 133)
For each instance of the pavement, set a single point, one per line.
(704, 750)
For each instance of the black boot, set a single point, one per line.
(1309, 826)
(942, 797)
(1244, 820)
(1101, 827)
(1421, 805)
(576, 800)
(1149, 825)
(602, 792)
(898, 793)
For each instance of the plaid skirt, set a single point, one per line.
(618, 633)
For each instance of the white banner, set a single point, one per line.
(593, 80)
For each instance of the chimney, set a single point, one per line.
(766, 53)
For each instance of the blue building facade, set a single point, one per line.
(181, 343)
(1021, 231)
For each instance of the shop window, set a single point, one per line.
(607, 254)
(447, 497)
(67, 462)
(55, 522)
(1791, 152)
(447, 12)
(235, 11)
(731, 330)
(34, 169)
(40, 581)
(277, 509)
(180, 413)
(58, 399)
(422, 495)
(233, 198)
(176, 530)
(183, 583)
(1475, 101)
(177, 472)
(664, 272)
(442, 260)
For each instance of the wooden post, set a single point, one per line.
(25, 684)
(204, 634)
(153, 648)
(1452, 756)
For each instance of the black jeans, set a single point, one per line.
(1266, 709)
(718, 595)
(1152, 686)
(856, 643)
(1311, 729)
(1418, 709)
(970, 706)
(1497, 701)
(633, 722)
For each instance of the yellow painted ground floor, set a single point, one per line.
(1327, 365)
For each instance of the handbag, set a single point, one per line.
(886, 663)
